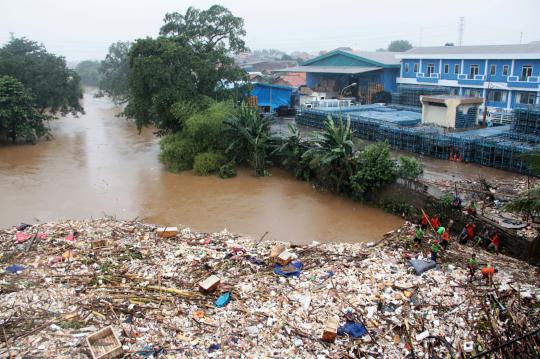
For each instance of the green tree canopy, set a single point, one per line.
(54, 87)
(399, 46)
(18, 117)
(88, 72)
(190, 60)
(114, 72)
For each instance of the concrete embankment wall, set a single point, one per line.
(419, 197)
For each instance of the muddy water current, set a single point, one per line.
(98, 164)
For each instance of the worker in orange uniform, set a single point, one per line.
(488, 272)
(445, 239)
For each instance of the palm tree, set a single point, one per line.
(332, 150)
(249, 136)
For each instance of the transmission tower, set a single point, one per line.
(461, 27)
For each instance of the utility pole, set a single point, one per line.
(461, 27)
(520, 37)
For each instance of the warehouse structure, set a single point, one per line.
(355, 74)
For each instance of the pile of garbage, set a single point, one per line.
(109, 288)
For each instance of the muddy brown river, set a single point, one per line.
(98, 165)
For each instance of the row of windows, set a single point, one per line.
(526, 70)
(523, 98)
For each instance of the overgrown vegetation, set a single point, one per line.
(191, 59)
(88, 71)
(36, 85)
(206, 163)
(114, 72)
(202, 132)
(55, 87)
(18, 116)
(248, 135)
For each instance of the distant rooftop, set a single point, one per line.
(376, 58)
(384, 57)
(532, 49)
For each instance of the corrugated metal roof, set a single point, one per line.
(384, 57)
(330, 69)
(532, 47)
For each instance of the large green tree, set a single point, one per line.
(114, 72)
(399, 46)
(88, 72)
(56, 88)
(189, 61)
(18, 116)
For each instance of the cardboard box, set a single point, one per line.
(330, 329)
(277, 250)
(284, 258)
(210, 284)
(104, 344)
(167, 232)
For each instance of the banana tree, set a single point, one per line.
(332, 153)
(249, 137)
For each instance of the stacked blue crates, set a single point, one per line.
(499, 147)
(466, 120)
(527, 120)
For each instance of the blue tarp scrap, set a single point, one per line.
(353, 329)
(14, 268)
(421, 266)
(223, 300)
(214, 347)
(298, 265)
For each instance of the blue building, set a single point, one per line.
(334, 72)
(505, 75)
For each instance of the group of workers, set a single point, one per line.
(488, 239)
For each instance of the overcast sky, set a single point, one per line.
(82, 30)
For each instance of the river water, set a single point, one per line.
(98, 164)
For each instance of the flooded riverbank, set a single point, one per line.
(99, 165)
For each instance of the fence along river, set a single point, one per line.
(98, 164)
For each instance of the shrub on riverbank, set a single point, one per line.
(207, 163)
(201, 133)
(177, 152)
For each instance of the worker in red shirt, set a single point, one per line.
(424, 222)
(435, 222)
(470, 231)
(495, 242)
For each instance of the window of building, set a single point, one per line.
(406, 67)
(430, 70)
(473, 71)
(506, 68)
(492, 69)
(473, 92)
(497, 96)
(415, 68)
(526, 71)
(456, 69)
(526, 98)
(446, 68)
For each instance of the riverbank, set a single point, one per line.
(80, 276)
